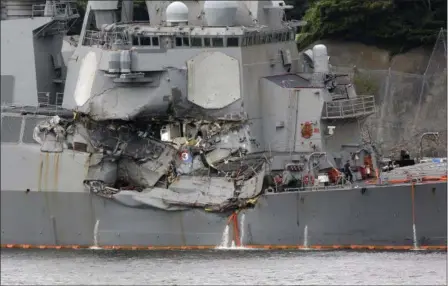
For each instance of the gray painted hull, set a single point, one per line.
(381, 216)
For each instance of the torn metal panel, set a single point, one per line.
(145, 174)
(216, 187)
(143, 200)
(214, 193)
(188, 168)
(78, 135)
(207, 167)
(233, 139)
(102, 169)
(147, 198)
(253, 186)
(217, 155)
(127, 198)
(51, 144)
(125, 139)
(50, 134)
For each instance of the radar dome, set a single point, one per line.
(220, 13)
(320, 59)
(176, 12)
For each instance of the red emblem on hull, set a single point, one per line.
(307, 130)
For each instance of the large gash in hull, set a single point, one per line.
(172, 131)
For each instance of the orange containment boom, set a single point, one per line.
(407, 180)
(261, 247)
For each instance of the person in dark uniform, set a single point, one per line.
(348, 172)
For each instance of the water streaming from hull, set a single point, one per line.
(305, 238)
(243, 217)
(414, 237)
(225, 239)
(95, 236)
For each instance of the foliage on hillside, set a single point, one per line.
(397, 25)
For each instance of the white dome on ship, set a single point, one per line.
(176, 12)
(320, 59)
(220, 13)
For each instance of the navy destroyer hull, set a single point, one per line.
(375, 216)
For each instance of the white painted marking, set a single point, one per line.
(185, 156)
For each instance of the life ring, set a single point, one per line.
(307, 179)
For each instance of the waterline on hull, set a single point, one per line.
(246, 247)
(380, 218)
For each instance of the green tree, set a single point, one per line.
(396, 25)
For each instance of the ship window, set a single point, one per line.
(196, 42)
(145, 41)
(7, 88)
(178, 42)
(232, 42)
(186, 41)
(135, 41)
(217, 42)
(30, 123)
(11, 126)
(155, 41)
(206, 42)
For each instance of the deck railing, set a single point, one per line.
(349, 108)
(47, 103)
(106, 40)
(60, 9)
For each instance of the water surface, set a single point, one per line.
(219, 267)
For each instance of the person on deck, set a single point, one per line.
(348, 172)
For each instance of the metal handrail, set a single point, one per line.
(45, 99)
(349, 107)
(106, 39)
(46, 104)
(63, 9)
(311, 188)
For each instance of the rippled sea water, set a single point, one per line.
(218, 267)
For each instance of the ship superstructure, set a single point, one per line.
(166, 128)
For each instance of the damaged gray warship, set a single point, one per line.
(203, 127)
